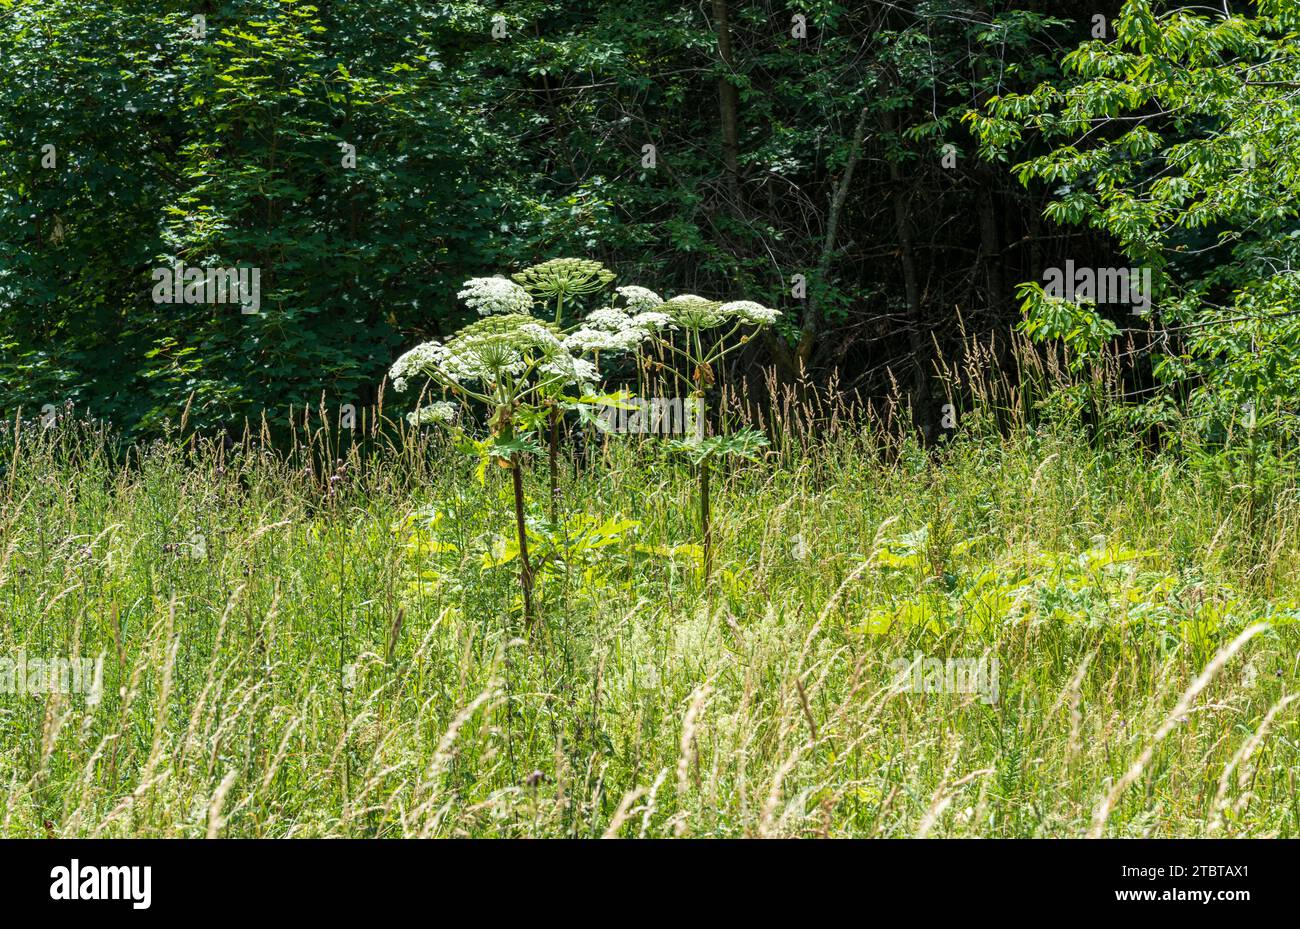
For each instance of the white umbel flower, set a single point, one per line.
(441, 411)
(601, 340)
(421, 359)
(652, 321)
(610, 329)
(606, 319)
(750, 312)
(490, 295)
(542, 339)
(490, 351)
(638, 299)
(692, 312)
(570, 370)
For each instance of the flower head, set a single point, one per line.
(604, 340)
(652, 321)
(422, 359)
(607, 319)
(750, 312)
(638, 299)
(566, 369)
(489, 295)
(440, 411)
(489, 351)
(692, 312)
(561, 277)
(609, 329)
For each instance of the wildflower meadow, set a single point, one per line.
(437, 419)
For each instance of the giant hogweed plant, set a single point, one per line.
(519, 368)
(520, 363)
(694, 334)
(701, 334)
(555, 281)
(507, 363)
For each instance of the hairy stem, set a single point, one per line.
(706, 525)
(554, 455)
(525, 568)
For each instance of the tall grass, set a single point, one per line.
(285, 653)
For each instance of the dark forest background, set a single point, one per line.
(809, 138)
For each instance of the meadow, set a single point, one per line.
(328, 639)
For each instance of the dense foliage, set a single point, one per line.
(1178, 139)
(518, 598)
(809, 155)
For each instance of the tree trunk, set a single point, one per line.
(729, 106)
(811, 321)
(990, 238)
(988, 178)
(916, 333)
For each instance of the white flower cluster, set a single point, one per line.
(422, 359)
(511, 350)
(538, 337)
(692, 312)
(600, 340)
(750, 312)
(653, 321)
(606, 319)
(441, 411)
(571, 370)
(638, 299)
(484, 352)
(489, 295)
(613, 330)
